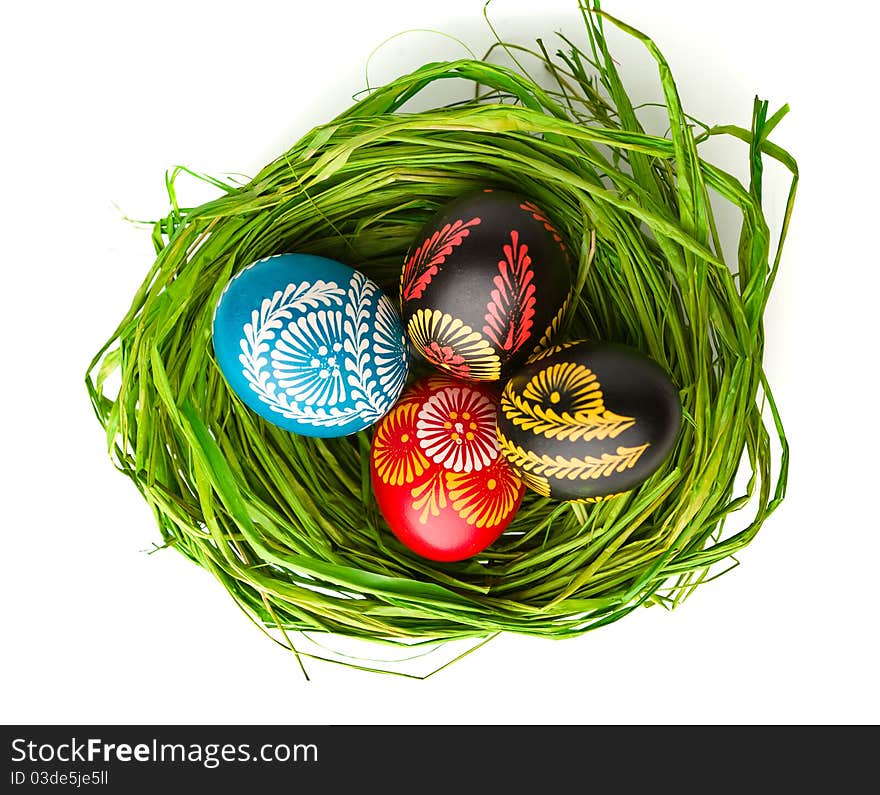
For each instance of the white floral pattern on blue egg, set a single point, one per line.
(310, 344)
(307, 359)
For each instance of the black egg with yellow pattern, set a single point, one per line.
(586, 420)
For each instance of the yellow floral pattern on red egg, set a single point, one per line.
(484, 498)
(396, 453)
(429, 497)
(440, 444)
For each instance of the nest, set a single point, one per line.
(288, 524)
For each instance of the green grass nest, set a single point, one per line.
(288, 524)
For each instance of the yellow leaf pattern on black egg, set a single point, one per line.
(545, 352)
(603, 498)
(544, 344)
(586, 468)
(450, 344)
(521, 463)
(573, 385)
(535, 482)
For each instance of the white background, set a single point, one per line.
(99, 100)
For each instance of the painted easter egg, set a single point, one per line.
(586, 420)
(485, 284)
(310, 344)
(437, 474)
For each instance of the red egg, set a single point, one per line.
(438, 476)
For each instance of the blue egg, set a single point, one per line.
(310, 344)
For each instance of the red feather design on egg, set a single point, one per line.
(538, 215)
(511, 304)
(425, 263)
